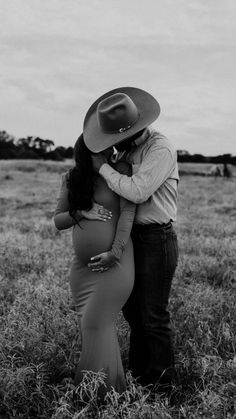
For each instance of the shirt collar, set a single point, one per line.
(140, 140)
(143, 137)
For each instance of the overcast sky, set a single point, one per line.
(58, 56)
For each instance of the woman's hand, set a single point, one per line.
(102, 262)
(97, 212)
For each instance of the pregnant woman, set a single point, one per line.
(99, 294)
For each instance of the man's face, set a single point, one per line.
(127, 144)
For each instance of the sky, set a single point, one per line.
(59, 56)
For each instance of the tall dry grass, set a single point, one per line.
(39, 339)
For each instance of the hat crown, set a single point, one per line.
(117, 113)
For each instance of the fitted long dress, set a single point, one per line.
(99, 297)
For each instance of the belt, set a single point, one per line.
(152, 226)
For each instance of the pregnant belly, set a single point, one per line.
(92, 238)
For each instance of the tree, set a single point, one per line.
(25, 143)
(6, 140)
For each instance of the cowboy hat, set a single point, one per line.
(118, 115)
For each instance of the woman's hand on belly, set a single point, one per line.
(102, 262)
(97, 212)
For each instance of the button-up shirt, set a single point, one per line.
(153, 185)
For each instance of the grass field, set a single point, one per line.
(39, 341)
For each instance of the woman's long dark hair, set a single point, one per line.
(81, 179)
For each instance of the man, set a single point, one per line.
(122, 118)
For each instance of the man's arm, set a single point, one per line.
(155, 168)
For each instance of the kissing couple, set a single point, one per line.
(120, 199)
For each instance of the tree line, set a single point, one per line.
(31, 148)
(185, 157)
(38, 148)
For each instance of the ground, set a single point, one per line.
(39, 340)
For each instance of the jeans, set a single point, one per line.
(151, 356)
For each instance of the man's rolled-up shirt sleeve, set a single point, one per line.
(155, 168)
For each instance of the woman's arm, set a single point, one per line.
(62, 218)
(105, 260)
(124, 226)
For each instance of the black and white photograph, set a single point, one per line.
(117, 209)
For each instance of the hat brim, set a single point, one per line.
(97, 140)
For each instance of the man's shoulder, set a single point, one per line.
(158, 141)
